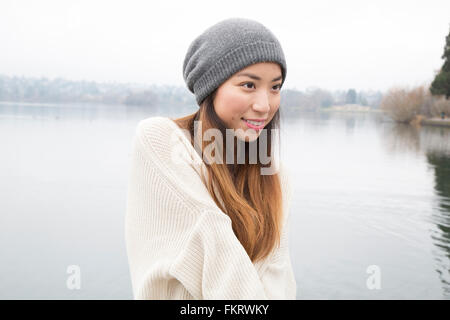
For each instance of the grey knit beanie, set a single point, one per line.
(225, 48)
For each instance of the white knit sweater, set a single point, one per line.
(180, 245)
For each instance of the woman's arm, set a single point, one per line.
(278, 276)
(214, 265)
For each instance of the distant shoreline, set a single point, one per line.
(350, 108)
(64, 104)
(29, 103)
(438, 122)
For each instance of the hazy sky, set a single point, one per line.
(328, 44)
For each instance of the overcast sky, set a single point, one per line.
(328, 44)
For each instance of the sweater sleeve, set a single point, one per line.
(174, 230)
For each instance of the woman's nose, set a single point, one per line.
(262, 104)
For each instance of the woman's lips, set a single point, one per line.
(250, 125)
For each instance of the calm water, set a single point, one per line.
(367, 192)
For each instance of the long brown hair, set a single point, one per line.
(252, 201)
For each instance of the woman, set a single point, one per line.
(204, 220)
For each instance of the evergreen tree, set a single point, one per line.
(351, 96)
(441, 83)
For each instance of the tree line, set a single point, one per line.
(44, 90)
(58, 90)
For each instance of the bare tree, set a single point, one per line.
(403, 105)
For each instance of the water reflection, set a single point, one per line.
(84, 112)
(399, 138)
(434, 143)
(350, 125)
(436, 140)
(441, 218)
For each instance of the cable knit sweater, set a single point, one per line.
(180, 245)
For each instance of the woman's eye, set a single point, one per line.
(278, 86)
(248, 83)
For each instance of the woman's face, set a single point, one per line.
(251, 93)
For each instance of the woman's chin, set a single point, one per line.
(249, 137)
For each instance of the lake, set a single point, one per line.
(370, 215)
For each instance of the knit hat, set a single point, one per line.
(225, 48)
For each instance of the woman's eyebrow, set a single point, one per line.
(255, 77)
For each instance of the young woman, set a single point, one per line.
(207, 219)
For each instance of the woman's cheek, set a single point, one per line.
(238, 105)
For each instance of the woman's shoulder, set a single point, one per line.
(152, 126)
(162, 148)
(165, 143)
(160, 132)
